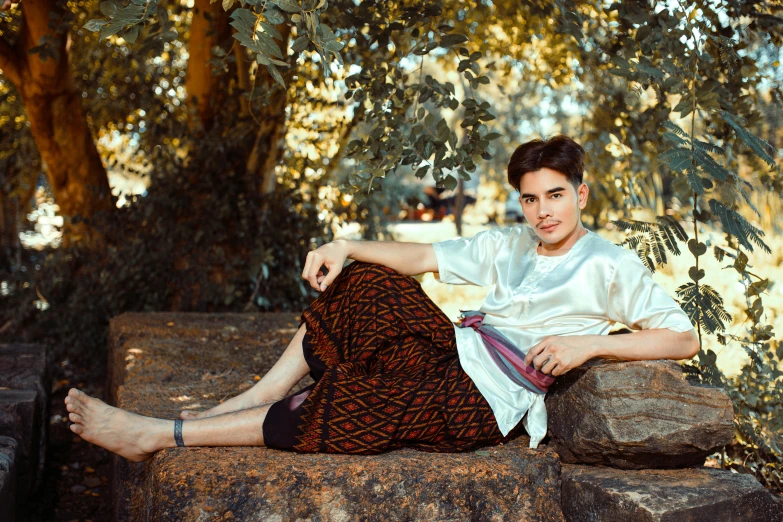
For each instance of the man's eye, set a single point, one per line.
(553, 195)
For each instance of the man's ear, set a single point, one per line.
(582, 194)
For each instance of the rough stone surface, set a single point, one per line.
(162, 363)
(24, 367)
(19, 420)
(7, 478)
(678, 495)
(635, 415)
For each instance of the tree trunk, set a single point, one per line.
(459, 205)
(208, 27)
(268, 145)
(57, 123)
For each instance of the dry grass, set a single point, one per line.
(452, 298)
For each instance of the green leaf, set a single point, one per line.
(736, 225)
(131, 34)
(271, 30)
(695, 182)
(109, 8)
(289, 6)
(276, 74)
(300, 44)
(710, 166)
(442, 130)
(759, 146)
(95, 25)
(452, 39)
(110, 30)
(704, 306)
(450, 182)
(678, 159)
(334, 46)
(268, 45)
(227, 4)
(273, 16)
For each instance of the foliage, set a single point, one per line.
(162, 247)
(697, 58)
(670, 100)
(402, 130)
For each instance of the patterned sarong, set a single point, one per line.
(387, 372)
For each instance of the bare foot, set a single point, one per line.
(127, 434)
(243, 401)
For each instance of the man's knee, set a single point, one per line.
(370, 270)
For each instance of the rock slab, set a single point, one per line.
(19, 420)
(24, 366)
(162, 363)
(636, 415)
(511, 483)
(7, 478)
(680, 495)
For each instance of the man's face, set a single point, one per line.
(551, 204)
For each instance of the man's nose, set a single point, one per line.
(543, 210)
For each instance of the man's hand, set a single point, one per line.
(333, 256)
(555, 355)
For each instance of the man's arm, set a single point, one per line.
(556, 355)
(657, 343)
(405, 258)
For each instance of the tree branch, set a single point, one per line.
(9, 65)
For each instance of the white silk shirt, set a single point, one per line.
(582, 292)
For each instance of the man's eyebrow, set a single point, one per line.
(550, 191)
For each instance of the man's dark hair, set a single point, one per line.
(559, 153)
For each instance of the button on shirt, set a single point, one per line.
(582, 292)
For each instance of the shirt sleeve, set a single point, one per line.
(469, 261)
(640, 303)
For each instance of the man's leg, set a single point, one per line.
(137, 438)
(274, 386)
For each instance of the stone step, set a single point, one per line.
(24, 366)
(683, 495)
(636, 415)
(160, 365)
(19, 419)
(633, 413)
(7, 478)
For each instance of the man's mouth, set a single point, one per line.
(549, 228)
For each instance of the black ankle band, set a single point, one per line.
(178, 432)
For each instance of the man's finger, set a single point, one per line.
(308, 262)
(540, 360)
(312, 274)
(334, 271)
(533, 352)
(549, 365)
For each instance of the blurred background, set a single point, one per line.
(186, 156)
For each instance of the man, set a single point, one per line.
(391, 370)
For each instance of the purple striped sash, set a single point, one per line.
(506, 355)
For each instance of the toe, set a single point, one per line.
(77, 428)
(75, 417)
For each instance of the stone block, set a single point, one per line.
(682, 495)
(19, 420)
(636, 415)
(7, 478)
(24, 367)
(162, 363)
